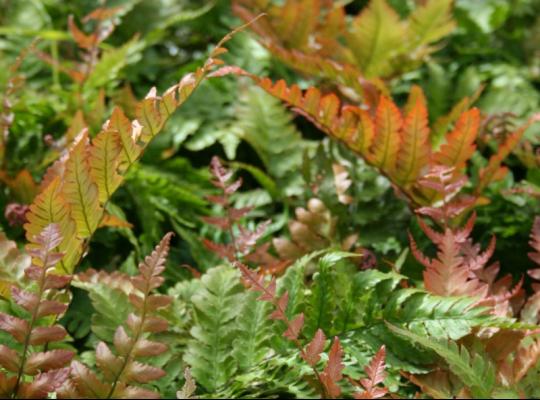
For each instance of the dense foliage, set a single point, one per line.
(263, 198)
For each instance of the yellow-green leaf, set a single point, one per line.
(81, 192)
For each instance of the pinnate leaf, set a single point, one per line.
(313, 350)
(45, 361)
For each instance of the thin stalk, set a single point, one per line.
(33, 320)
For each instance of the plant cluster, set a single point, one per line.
(332, 219)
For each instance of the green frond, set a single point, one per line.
(267, 126)
(473, 369)
(216, 306)
(254, 332)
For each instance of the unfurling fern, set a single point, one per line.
(122, 372)
(32, 369)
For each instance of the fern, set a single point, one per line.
(372, 41)
(474, 370)
(78, 185)
(216, 307)
(394, 141)
(267, 127)
(31, 370)
(380, 139)
(110, 303)
(375, 376)
(251, 345)
(378, 43)
(121, 370)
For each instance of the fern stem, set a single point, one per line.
(33, 320)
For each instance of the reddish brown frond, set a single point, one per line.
(376, 374)
(314, 348)
(332, 373)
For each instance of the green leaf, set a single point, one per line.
(253, 332)
(111, 308)
(473, 369)
(216, 306)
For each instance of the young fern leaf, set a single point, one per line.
(122, 371)
(332, 372)
(450, 274)
(376, 374)
(242, 245)
(31, 373)
(77, 186)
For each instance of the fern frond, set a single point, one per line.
(376, 374)
(121, 370)
(473, 369)
(383, 140)
(81, 192)
(70, 194)
(375, 34)
(35, 372)
(459, 146)
(104, 161)
(210, 352)
(430, 22)
(387, 140)
(51, 207)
